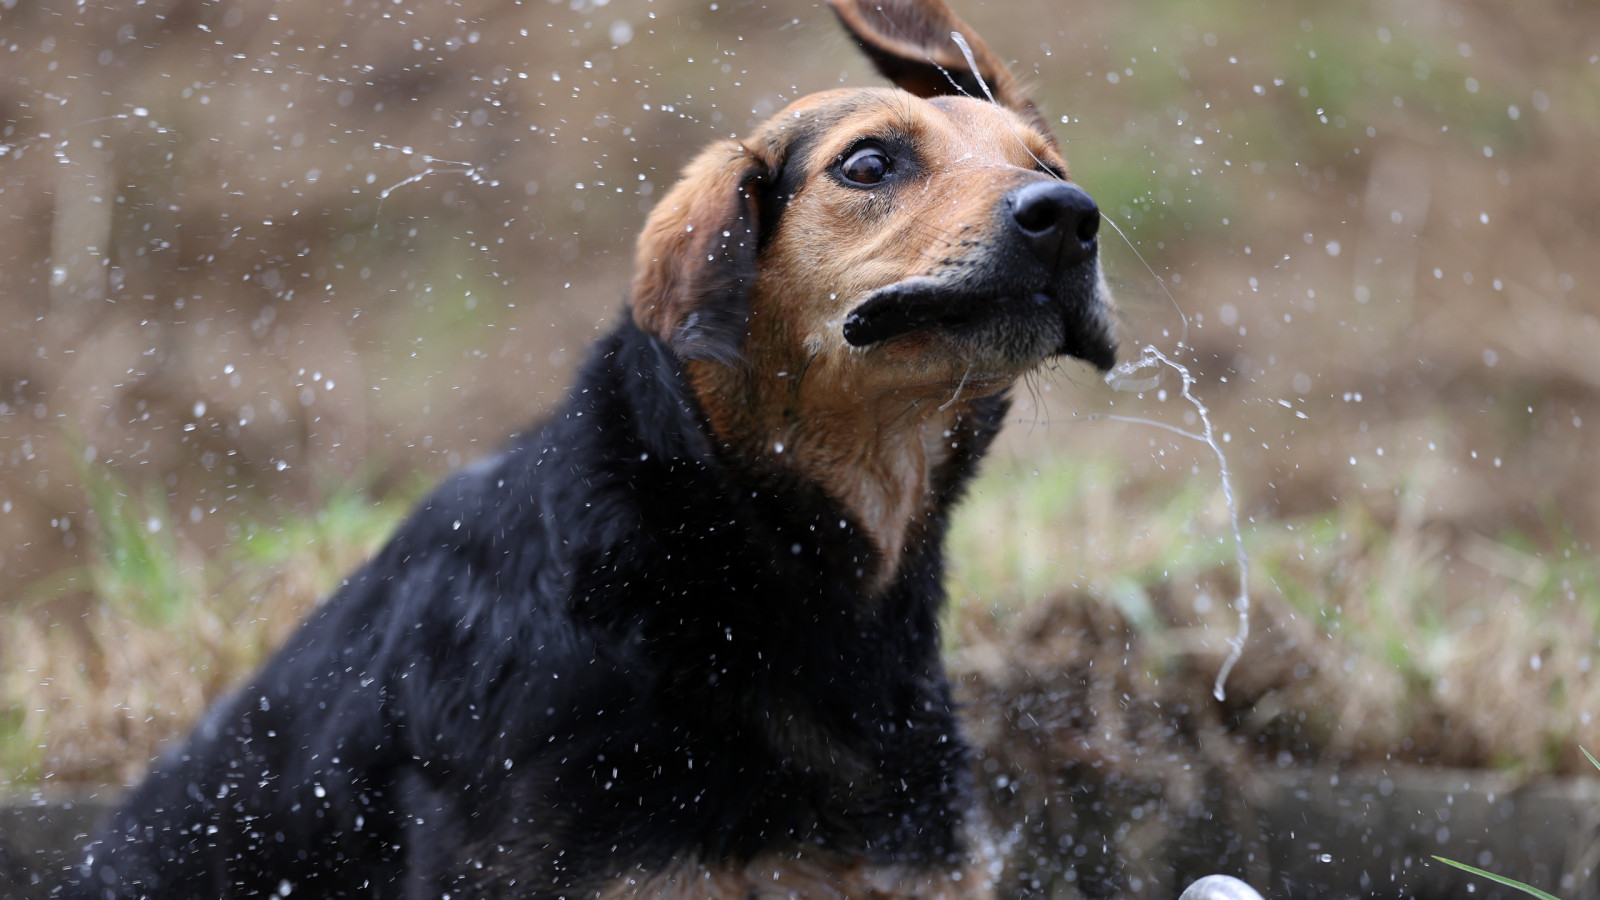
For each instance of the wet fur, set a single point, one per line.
(681, 639)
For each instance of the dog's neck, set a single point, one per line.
(882, 461)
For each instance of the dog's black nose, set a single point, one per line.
(1057, 220)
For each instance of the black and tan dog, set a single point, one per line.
(680, 640)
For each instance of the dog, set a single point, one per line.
(681, 640)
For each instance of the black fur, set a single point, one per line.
(607, 648)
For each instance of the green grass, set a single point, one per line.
(1511, 882)
(136, 568)
(350, 523)
(20, 753)
(1029, 532)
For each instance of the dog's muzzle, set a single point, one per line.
(1032, 290)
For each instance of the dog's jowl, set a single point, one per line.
(680, 639)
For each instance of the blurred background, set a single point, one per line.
(267, 269)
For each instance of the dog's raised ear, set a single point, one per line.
(696, 259)
(909, 43)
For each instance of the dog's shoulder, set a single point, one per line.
(482, 599)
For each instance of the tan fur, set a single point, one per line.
(686, 230)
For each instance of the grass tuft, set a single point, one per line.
(1508, 882)
(90, 690)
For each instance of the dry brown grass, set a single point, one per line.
(1370, 642)
(98, 704)
(93, 699)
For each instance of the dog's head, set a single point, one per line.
(907, 232)
(871, 261)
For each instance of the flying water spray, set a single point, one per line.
(1125, 378)
(431, 165)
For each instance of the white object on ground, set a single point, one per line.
(1220, 887)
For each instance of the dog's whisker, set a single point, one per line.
(1183, 338)
(1031, 381)
(966, 51)
(959, 385)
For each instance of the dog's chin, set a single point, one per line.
(1021, 326)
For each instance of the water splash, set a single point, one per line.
(60, 141)
(1123, 378)
(431, 165)
(972, 64)
(1183, 335)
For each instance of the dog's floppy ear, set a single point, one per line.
(909, 43)
(696, 259)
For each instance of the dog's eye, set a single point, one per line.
(865, 165)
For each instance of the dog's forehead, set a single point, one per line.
(976, 122)
(830, 121)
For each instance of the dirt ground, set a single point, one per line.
(253, 251)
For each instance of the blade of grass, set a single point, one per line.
(1592, 761)
(1526, 889)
